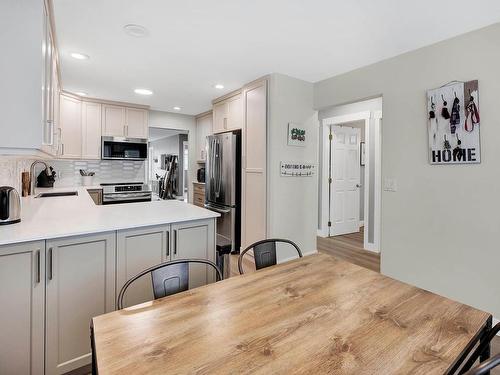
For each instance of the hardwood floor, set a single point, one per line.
(349, 247)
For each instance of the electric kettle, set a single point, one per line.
(10, 205)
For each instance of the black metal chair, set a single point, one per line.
(168, 278)
(485, 367)
(264, 253)
(482, 351)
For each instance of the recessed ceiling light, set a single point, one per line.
(177, 108)
(136, 31)
(143, 92)
(79, 56)
(219, 86)
(81, 93)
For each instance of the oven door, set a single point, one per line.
(114, 198)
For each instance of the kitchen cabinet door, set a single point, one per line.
(195, 239)
(138, 249)
(220, 117)
(91, 130)
(70, 127)
(22, 292)
(80, 284)
(203, 129)
(234, 113)
(113, 120)
(136, 123)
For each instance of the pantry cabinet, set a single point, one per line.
(254, 164)
(138, 249)
(228, 114)
(80, 284)
(119, 121)
(70, 128)
(22, 292)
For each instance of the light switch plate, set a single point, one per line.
(390, 184)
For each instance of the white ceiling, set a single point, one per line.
(194, 44)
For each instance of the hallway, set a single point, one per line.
(350, 248)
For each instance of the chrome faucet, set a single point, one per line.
(32, 174)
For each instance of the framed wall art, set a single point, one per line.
(454, 124)
(296, 135)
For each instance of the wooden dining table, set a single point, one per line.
(314, 315)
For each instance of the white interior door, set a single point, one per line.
(345, 174)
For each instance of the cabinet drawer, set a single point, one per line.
(199, 189)
(199, 200)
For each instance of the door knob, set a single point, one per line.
(358, 185)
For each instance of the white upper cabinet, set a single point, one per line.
(70, 128)
(203, 129)
(27, 76)
(228, 114)
(113, 121)
(118, 121)
(136, 123)
(91, 130)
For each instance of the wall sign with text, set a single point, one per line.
(295, 169)
(453, 124)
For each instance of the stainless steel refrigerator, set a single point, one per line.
(223, 185)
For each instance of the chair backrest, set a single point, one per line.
(167, 278)
(486, 366)
(264, 253)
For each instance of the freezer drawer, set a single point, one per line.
(227, 225)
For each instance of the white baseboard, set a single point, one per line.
(321, 233)
(294, 257)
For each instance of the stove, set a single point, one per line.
(125, 192)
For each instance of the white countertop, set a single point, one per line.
(56, 217)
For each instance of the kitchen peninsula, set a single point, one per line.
(67, 260)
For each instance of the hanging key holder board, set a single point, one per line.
(297, 169)
(453, 123)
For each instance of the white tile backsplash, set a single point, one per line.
(68, 171)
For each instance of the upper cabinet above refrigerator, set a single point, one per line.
(228, 113)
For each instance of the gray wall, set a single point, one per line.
(293, 201)
(440, 229)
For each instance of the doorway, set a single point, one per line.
(351, 180)
(168, 163)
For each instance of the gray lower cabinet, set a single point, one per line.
(80, 284)
(138, 249)
(195, 239)
(22, 292)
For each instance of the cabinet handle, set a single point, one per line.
(38, 271)
(225, 122)
(62, 148)
(50, 264)
(168, 243)
(175, 241)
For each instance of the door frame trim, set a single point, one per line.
(369, 117)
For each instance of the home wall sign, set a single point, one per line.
(296, 135)
(295, 169)
(453, 124)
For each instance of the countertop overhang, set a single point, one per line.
(57, 217)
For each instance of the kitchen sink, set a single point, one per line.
(57, 194)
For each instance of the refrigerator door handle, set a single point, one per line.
(219, 210)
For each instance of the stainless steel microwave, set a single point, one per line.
(119, 148)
